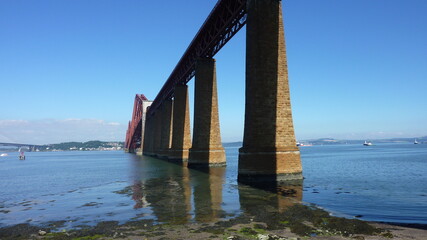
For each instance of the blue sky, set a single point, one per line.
(69, 70)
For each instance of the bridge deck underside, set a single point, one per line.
(225, 20)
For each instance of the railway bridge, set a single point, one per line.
(31, 147)
(269, 152)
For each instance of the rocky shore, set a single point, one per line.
(298, 222)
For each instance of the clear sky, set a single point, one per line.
(69, 70)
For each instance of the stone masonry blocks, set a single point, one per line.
(157, 132)
(181, 136)
(166, 128)
(206, 146)
(269, 145)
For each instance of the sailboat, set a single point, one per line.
(21, 155)
(415, 142)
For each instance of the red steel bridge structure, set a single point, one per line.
(133, 134)
(224, 21)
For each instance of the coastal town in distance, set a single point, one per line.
(117, 146)
(68, 146)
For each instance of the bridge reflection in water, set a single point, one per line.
(176, 194)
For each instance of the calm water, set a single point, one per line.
(384, 182)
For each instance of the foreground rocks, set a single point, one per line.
(296, 223)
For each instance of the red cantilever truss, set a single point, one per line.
(133, 134)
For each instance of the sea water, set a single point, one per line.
(383, 182)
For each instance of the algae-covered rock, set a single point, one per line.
(346, 227)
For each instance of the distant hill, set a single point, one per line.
(419, 139)
(82, 146)
(332, 141)
(232, 144)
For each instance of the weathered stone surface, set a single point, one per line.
(145, 106)
(148, 137)
(166, 128)
(206, 146)
(138, 151)
(157, 131)
(181, 136)
(269, 148)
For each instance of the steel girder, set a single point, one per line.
(133, 134)
(224, 21)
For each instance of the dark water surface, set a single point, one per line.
(384, 182)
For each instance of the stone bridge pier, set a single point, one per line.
(207, 148)
(181, 136)
(269, 151)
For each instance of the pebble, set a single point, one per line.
(263, 237)
(42, 233)
(272, 237)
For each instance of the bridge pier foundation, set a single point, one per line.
(206, 147)
(269, 152)
(138, 151)
(181, 136)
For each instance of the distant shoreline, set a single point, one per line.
(118, 146)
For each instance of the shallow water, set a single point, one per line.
(384, 182)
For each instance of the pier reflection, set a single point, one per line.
(262, 200)
(165, 189)
(138, 195)
(207, 189)
(178, 195)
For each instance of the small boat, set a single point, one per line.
(22, 156)
(3, 155)
(304, 144)
(416, 142)
(366, 143)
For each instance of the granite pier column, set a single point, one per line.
(146, 137)
(140, 150)
(206, 147)
(149, 137)
(181, 136)
(145, 106)
(166, 128)
(157, 132)
(269, 151)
